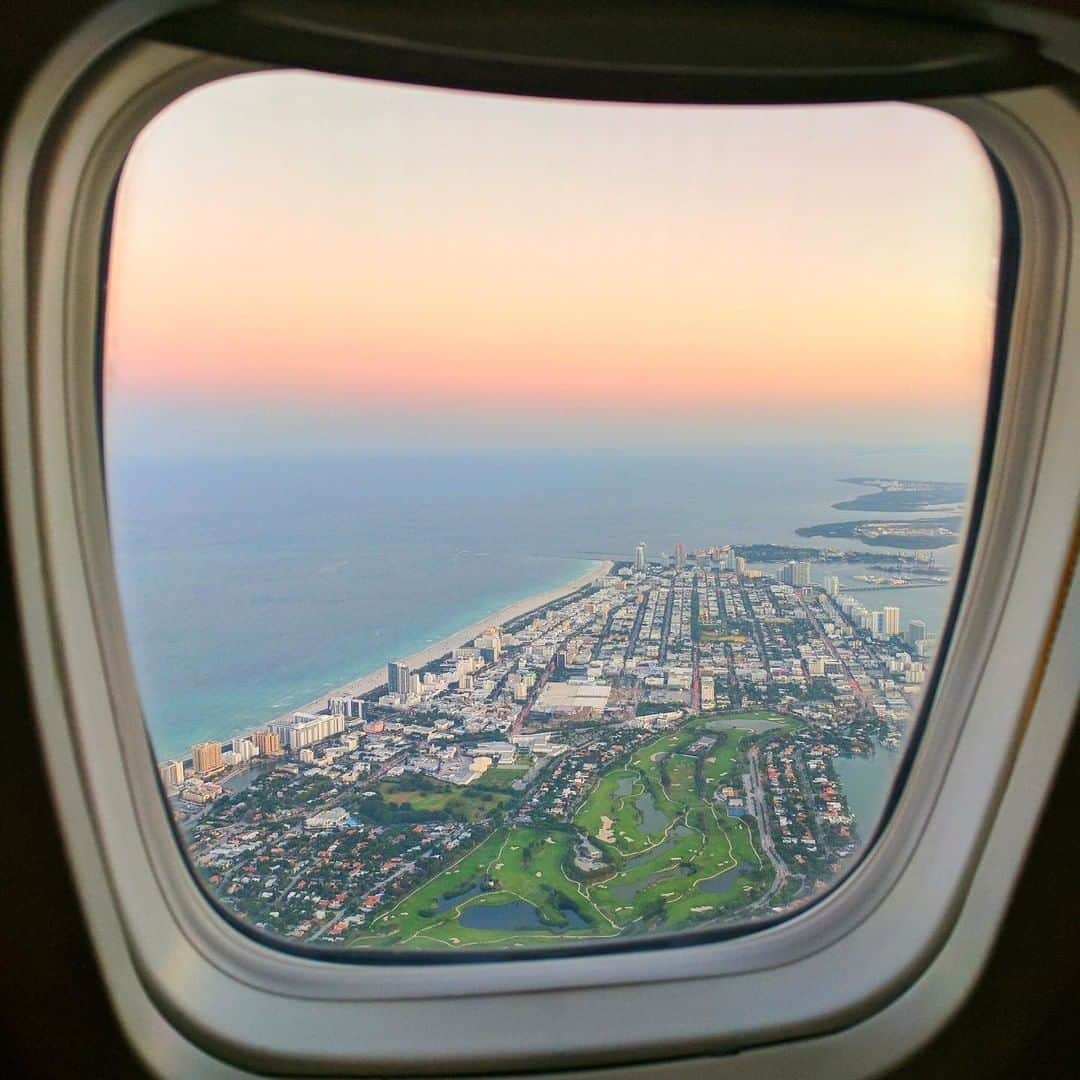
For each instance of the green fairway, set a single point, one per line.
(516, 874)
(675, 856)
(683, 858)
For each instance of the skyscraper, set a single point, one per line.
(349, 706)
(306, 729)
(397, 677)
(244, 749)
(877, 624)
(490, 644)
(268, 743)
(639, 557)
(892, 621)
(796, 573)
(832, 585)
(680, 554)
(916, 631)
(172, 774)
(206, 758)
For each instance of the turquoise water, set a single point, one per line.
(251, 587)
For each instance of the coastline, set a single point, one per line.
(373, 679)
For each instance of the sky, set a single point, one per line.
(304, 263)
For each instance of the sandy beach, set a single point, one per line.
(438, 649)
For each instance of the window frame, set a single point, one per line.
(176, 969)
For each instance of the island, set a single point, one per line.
(903, 496)
(914, 534)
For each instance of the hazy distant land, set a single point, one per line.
(917, 533)
(900, 496)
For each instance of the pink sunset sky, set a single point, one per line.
(302, 261)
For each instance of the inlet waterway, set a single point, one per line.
(866, 781)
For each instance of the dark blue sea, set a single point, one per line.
(250, 587)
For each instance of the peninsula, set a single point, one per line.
(904, 496)
(913, 534)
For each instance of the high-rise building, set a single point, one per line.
(490, 644)
(832, 585)
(877, 624)
(796, 573)
(172, 774)
(307, 729)
(892, 621)
(414, 685)
(680, 554)
(740, 565)
(397, 677)
(916, 631)
(352, 708)
(639, 557)
(244, 749)
(206, 758)
(732, 562)
(268, 743)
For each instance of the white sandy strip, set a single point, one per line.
(454, 641)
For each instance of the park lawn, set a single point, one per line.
(500, 777)
(464, 803)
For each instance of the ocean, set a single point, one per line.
(250, 587)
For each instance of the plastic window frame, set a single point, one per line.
(176, 969)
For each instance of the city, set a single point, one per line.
(655, 751)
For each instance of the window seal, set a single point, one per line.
(57, 513)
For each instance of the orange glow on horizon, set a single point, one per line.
(537, 274)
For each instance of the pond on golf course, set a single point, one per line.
(515, 915)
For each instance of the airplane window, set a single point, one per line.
(536, 521)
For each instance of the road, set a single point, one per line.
(755, 793)
(856, 689)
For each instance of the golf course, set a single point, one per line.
(672, 855)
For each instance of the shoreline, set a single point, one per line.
(373, 679)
